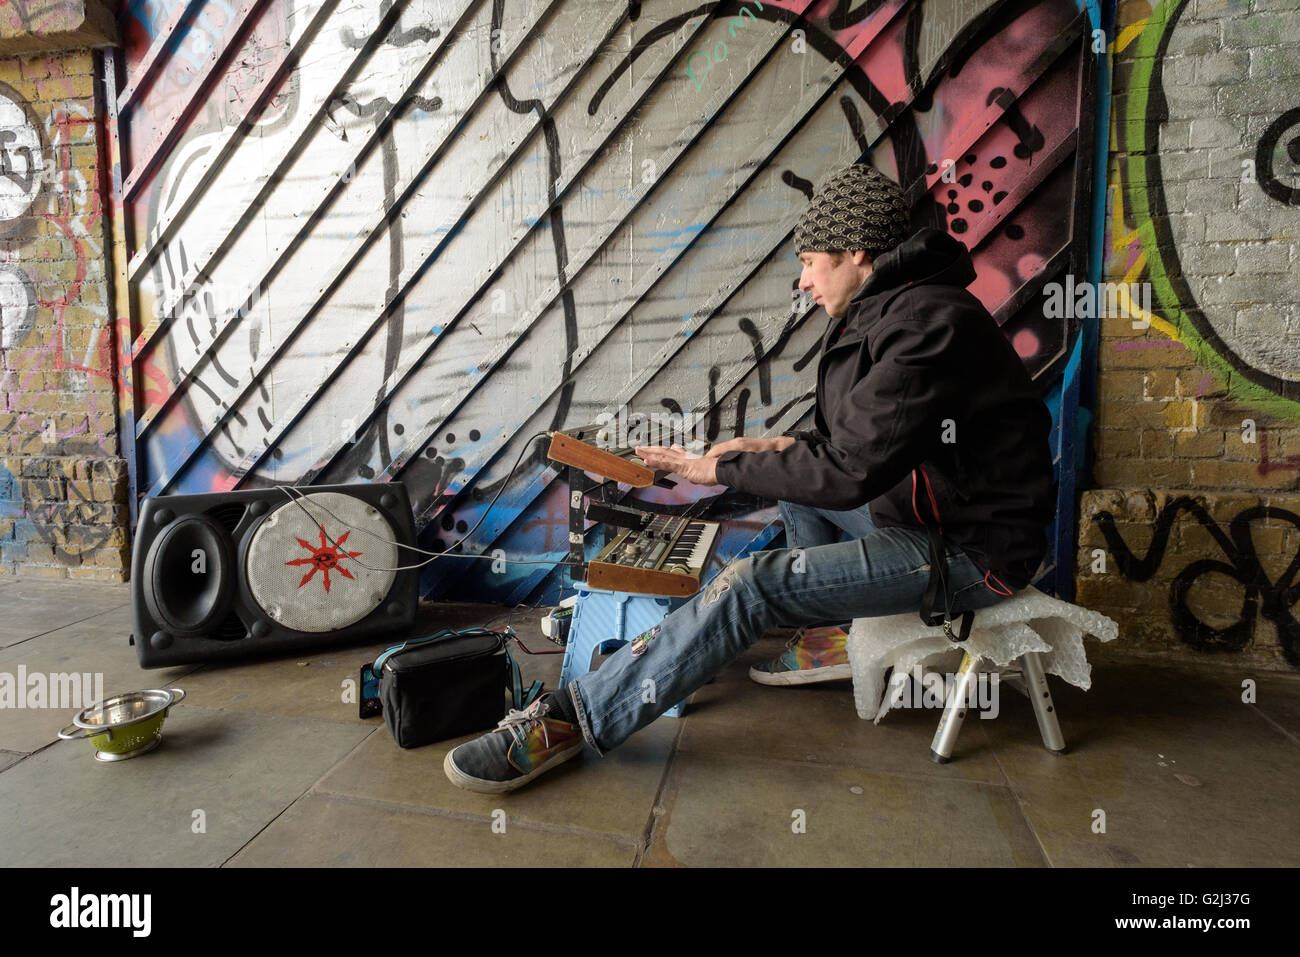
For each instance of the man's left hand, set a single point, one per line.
(695, 469)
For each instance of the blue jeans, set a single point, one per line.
(871, 572)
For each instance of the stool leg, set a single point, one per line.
(1041, 697)
(954, 711)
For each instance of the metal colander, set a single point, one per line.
(125, 725)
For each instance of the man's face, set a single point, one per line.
(833, 278)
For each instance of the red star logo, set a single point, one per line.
(324, 558)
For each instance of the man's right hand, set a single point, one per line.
(776, 443)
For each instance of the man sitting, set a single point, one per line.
(926, 424)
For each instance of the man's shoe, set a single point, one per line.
(524, 744)
(812, 655)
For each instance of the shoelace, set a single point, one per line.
(528, 717)
(795, 638)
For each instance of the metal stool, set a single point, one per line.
(1029, 681)
(605, 621)
(1023, 636)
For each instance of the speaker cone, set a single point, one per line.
(188, 575)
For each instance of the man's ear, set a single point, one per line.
(861, 257)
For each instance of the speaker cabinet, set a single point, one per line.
(232, 575)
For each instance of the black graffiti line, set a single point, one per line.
(813, 352)
(1030, 136)
(217, 367)
(715, 410)
(776, 416)
(742, 405)
(555, 220)
(856, 127)
(397, 37)
(647, 40)
(1273, 600)
(1142, 569)
(921, 100)
(394, 321)
(1262, 596)
(764, 371)
(24, 179)
(842, 17)
(797, 182)
(428, 104)
(1266, 176)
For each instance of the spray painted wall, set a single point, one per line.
(394, 241)
(1193, 539)
(63, 510)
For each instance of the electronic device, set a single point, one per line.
(622, 466)
(664, 557)
(228, 575)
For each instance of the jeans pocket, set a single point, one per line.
(973, 597)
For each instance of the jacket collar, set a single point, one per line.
(928, 256)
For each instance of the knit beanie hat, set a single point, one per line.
(857, 208)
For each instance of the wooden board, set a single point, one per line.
(571, 451)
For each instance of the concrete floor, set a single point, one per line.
(284, 773)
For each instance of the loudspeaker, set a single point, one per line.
(232, 575)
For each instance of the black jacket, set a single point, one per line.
(915, 351)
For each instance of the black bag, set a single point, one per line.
(445, 685)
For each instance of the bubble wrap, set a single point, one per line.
(1027, 621)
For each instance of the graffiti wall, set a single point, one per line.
(1193, 537)
(395, 241)
(63, 488)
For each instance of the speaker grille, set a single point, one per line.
(303, 580)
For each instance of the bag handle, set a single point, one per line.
(440, 635)
(514, 677)
(394, 649)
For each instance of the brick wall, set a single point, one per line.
(1196, 426)
(62, 482)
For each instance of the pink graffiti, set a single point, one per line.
(1025, 343)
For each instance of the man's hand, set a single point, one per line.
(777, 443)
(696, 469)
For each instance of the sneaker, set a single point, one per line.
(812, 655)
(524, 744)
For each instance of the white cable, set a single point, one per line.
(289, 490)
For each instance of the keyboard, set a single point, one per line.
(665, 557)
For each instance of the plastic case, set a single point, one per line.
(608, 620)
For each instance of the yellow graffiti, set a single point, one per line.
(1128, 35)
(1123, 240)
